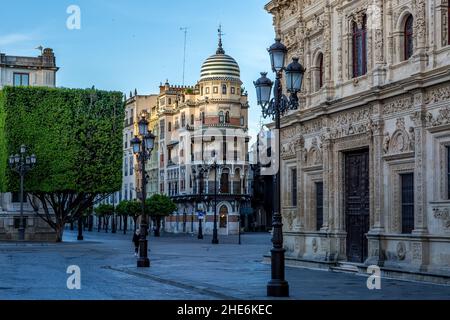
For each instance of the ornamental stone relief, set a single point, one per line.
(351, 123)
(442, 214)
(400, 141)
(314, 156)
(438, 94)
(440, 119)
(399, 105)
(401, 251)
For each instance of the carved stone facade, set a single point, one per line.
(398, 112)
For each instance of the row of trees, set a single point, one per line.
(156, 207)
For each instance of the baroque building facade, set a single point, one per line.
(365, 160)
(25, 71)
(198, 125)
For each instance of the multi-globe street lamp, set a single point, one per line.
(22, 164)
(275, 108)
(143, 145)
(206, 167)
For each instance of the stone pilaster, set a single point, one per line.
(327, 182)
(420, 182)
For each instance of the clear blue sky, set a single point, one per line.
(130, 44)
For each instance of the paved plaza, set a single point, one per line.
(183, 268)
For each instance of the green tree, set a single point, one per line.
(159, 206)
(131, 209)
(105, 211)
(77, 138)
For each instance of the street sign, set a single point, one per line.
(200, 215)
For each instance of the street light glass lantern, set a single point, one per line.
(11, 160)
(263, 89)
(23, 149)
(277, 53)
(136, 144)
(294, 76)
(150, 141)
(33, 159)
(16, 158)
(143, 126)
(28, 160)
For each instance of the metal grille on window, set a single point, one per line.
(407, 185)
(319, 205)
(294, 187)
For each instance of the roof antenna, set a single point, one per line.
(220, 48)
(185, 30)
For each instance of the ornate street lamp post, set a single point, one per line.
(143, 145)
(206, 167)
(22, 164)
(275, 108)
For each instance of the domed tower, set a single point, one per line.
(220, 89)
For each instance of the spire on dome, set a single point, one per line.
(220, 48)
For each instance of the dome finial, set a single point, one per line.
(220, 48)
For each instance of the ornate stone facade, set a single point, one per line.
(396, 113)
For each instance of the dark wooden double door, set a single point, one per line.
(357, 204)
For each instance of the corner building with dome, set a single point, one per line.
(200, 126)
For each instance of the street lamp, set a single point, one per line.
(143, 145)
(275, 108)
(206, 168)
(22, 164)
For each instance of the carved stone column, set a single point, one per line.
(300, 146)
(377, 21)
(377, 174)
(327, 182)
(340, 62)
(327, 54)
(420, 195)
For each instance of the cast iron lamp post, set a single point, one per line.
(142, 147)
(275, 108)
(22, 164)
(206, 167)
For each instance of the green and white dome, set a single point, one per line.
(220, 67)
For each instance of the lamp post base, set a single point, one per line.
(80, 238)
(215, 239)
(278, 288)
(143, 263)
(21, 234)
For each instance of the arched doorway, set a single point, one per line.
(223, 217)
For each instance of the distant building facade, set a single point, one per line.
(25, 71)
(365, 169)
(197, 125)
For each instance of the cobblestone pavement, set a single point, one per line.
(183, 268)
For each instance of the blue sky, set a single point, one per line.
(130, 44)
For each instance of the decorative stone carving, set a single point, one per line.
(401, 251)
(438, 94)
(398, 105)
(400, 141)
(442, 214)
(315, 245)
(315, 155)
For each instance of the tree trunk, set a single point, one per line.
(106, 224)
(99, 223)
(125, 225)
(59, 232)
(90, 223)
(135, 223)
(158, 227)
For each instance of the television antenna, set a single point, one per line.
(185, 30)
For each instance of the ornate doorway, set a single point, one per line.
(357, 204)
(223, 217)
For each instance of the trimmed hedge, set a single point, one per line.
(76, 135)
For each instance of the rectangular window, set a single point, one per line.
(448, 171)
(162, 128)
(407, 185)
(126, 192)
(17, 223)
(131, 191)
(233, 90)
(215, 89)
(126, 167)
(294, 187)
(131, 165)
(319, 205)
(21, 79)
(207, 90)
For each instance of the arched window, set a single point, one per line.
(224, 89)
(227, 117)
(169, 127)
(202, 117)
(223, 221)
(221, 117)
(318, 72)
(224, 182)
(359, 49)
(409, 37)
(192, 119)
